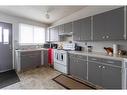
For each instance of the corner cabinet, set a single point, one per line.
(109, 25)
(54, 31)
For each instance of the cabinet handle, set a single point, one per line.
(107, 37)
(110, 61)
(103, 67)
(103, 37)
(99, 66)
(94, 59)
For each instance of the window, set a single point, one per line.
(31, 34)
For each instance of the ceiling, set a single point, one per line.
(37, 13)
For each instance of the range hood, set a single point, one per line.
(66, 34)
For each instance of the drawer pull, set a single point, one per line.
(99, 66)
(110, 61)
(103, 67)
(93, 59)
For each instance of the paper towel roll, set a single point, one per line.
(115, 49)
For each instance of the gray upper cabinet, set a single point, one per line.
(54, 34)
(85, 29)
(76, 30)
(68, 27)
(82, 29)
(61, 29)
(109, 25)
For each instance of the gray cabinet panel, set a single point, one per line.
(30, 60)
(109, 25)
(78, 68)
(111, 77)
(68, 27)
(61, 29)
(54, 34)
(86, 29)
(45, 57)
(115, 24)
(76, 30)
(94, 73)
(108, 77)
(99, 29)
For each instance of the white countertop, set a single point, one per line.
(98, 54)
(27, 50)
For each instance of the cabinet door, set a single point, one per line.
(111, 77)
(82, 69)
(25, 62)
(54, 34)
(78, 68)
(61, 29)
(99, 29)
(45, 56)
(68, 27)
(94, 73)
(86, 29)
(76, 30)
(109, 25)
(115, 24)
(72, 67)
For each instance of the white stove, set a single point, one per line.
(61, 57)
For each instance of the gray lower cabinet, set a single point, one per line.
(94, 73)
(45, 57)
(111, 77)
(109, 25)
(105, 74)
(78, 68)
(30, 59)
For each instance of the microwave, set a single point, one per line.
(50, 45)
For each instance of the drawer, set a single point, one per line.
(106, 61)
(94, 59)
(30, 53)
(112, 62)
(78, 56)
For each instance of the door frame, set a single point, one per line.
(12, 42)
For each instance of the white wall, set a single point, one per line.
(15, 26)
(85, 12)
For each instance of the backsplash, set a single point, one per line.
(98, 46)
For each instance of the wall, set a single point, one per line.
(98, 46)
(15, 26)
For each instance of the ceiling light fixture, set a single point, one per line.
(47, 10)
(47, 15)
